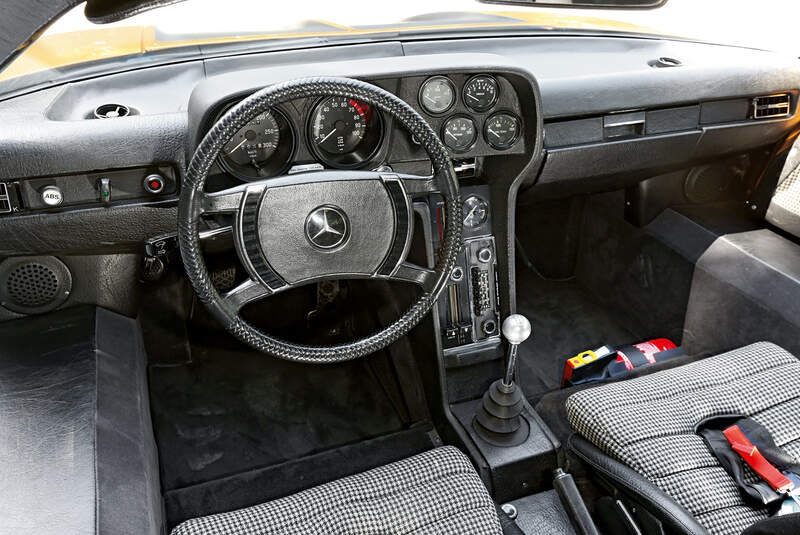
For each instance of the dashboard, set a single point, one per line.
(520, 115)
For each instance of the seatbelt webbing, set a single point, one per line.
(747, 451)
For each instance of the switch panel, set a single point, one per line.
(96, 188)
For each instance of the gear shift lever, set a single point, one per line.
(516, 329)
(498, 419)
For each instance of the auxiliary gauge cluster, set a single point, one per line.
(470, 112)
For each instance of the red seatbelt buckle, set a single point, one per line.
(749, 452)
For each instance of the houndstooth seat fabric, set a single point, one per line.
(648, 424)
(436, 492)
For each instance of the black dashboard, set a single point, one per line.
(556, 114)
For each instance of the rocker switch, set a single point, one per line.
(104, 186)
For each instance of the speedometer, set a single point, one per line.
(255, 142)
(344, 132)
(260, 149)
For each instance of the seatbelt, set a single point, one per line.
(779, 482)
(761, 491)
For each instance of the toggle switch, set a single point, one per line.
(104, 187)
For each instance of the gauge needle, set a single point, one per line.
(430, 99)
(493, 132)
(236, 147)
(473, 97)
(321, 141)
(469, 215)
(449, 133)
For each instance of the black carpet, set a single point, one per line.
(566, 320)
(233, 410)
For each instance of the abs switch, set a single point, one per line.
(52, 196)
(154, 183)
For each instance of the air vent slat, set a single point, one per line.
(772, 106)
(111, 111)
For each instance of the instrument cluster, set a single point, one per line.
(474, 114)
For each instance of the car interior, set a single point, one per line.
(479, 280)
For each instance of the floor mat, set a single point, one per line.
(566, 320)
(233, 409)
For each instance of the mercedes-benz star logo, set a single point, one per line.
(326, 227)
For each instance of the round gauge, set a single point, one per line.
(344, 132)
(476, 211)
(437, 95)
(459, 133)
(501, 130)
(261, 148)
(480, 92)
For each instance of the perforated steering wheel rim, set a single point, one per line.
(193, 197)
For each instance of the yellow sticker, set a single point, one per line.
(583, 358)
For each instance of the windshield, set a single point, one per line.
(73, 42)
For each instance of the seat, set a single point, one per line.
(436, 492)
(640, 433)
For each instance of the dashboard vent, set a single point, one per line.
(111, 111)
(772, 106)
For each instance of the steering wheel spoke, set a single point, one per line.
(226, 201)
(418, 185)
(421, 276)
(247, 292)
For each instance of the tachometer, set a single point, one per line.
(459, 133)
(344, 132)
(260, 149)
(480, 92)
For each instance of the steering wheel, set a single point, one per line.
(308, 227)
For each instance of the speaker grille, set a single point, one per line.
(33, 285)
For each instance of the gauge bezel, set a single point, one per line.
(496, 99)
(460, 116)
(286, 153)
(480, 200)
(361, 155)
(422, 88)
(513, 142)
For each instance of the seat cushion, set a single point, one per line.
(648, 424)
(434, 492)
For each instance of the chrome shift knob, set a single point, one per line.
(516, 329)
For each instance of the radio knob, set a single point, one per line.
(52, 196)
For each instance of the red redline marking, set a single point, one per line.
(357, 106)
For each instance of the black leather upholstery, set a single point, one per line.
(77, 454)
(637, 487)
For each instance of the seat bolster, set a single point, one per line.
(640, 489)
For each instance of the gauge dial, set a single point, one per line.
(261, 148)
(480, 92)
(437, 95)
(254, 143)
(459, 133)
(501, 130)
(339, 124)
(344, 133)
(476, 211)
